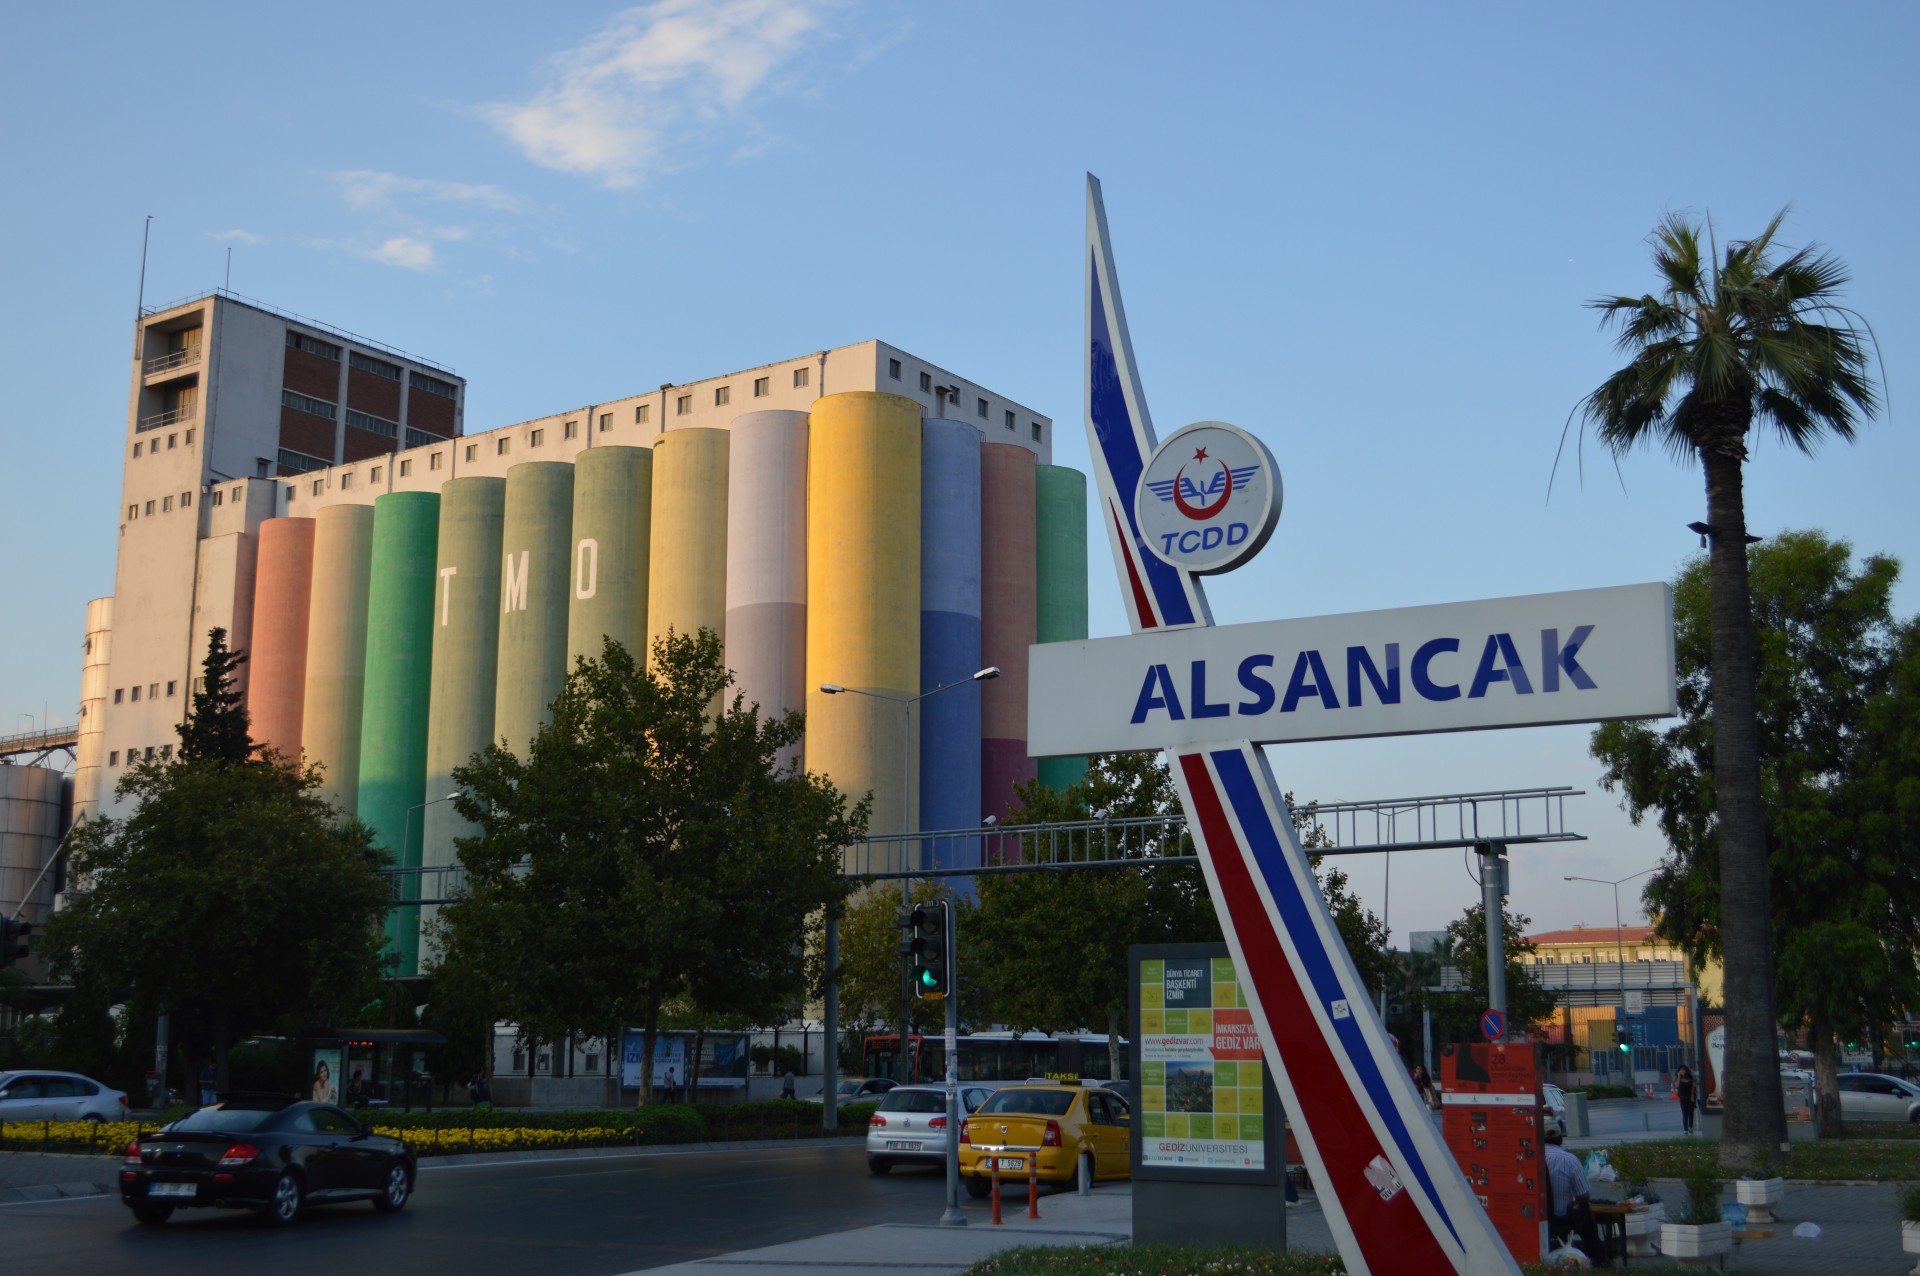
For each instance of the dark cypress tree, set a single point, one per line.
(216, 725)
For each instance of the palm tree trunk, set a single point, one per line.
(1755, 1124)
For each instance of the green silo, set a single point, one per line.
(535, 544)
(399, 671)
(1060, 580)
(612, 521)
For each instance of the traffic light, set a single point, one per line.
(13, 941)
(1623, 1040)
(929, 948)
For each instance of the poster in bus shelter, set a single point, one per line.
(1205, 1101)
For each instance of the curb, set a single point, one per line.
(50, 1192)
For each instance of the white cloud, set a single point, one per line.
(408, 254)
(367, 190)
(612, 105)
(238, 236)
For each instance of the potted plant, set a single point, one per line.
(1760, 1189)
(1701, 1236)
(1910, 1221)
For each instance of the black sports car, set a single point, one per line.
(270, 1155)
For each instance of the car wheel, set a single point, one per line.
(979, 1188)
(93, 1118)
(284, 1207)
(878, 1165)
(152, 1215)
(399, 1187)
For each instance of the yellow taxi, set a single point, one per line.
(1067, 1125)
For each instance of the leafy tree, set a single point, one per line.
(232, 898)
(647, 848)
(1837, 710)
(1458, 1013)
(1751, 338)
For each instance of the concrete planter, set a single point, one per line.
(1697, 1244)
(1760, 1196)
(1910, 1240)
(1643, 1229)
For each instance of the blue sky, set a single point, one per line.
(1365, 233)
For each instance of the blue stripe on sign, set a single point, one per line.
(1244, 792)
(1113, 430)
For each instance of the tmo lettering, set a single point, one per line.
(1351, 678)
(586, 568)
(1198, 539)
(513, 585)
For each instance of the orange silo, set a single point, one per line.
(283, 579)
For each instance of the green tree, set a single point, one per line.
(647, 848)
(871, 965)
(1458, 1012)
(1749, 339)
(232, 899)
(1839, 768)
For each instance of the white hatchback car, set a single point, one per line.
(39, 1095)
(1554, 1102)
(910, 1125)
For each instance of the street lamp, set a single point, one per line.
(1619, 943)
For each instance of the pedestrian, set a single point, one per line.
(1424, 1084)
(207, 1081)
(787, 1084)
(1683, 1090)
(1568, 1199)
(479, 1091)
(672, 1088)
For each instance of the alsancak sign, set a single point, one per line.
(1204, 502)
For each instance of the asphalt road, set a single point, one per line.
(569, 1217)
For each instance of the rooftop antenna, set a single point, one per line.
(227, 286)
(140, 296)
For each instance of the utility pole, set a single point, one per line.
(952, 1217)
(1493, 894)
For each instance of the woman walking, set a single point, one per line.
(1683, 1091)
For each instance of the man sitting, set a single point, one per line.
(1572, 1213)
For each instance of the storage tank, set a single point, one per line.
(283, 586)
(90, 749)
(687, 587)
(612, 527)
(950, 639)
(767, 563)
(1007, 622)
(536, 544)
(1060, 580)
(32, 799)
(863, 605)
(393, 723)
(337, 650)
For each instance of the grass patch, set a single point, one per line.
(1859, 1156)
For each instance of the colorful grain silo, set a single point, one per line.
(466, 648)
(863, 604)
(282, 591)
(950, 638)
(1007, 624)
(393, 723)
(612, 528)
(1060, 576)
(536, 545)
(337, 650)
(687, 583)
(767, 562)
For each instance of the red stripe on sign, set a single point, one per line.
(1392, 1234)
(1142, 605)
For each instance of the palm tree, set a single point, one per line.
(1726, 345)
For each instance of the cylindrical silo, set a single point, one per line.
(466, 647)
(1060, 576)
(687, 586)
(863, 597)
(950, 639)
(612, 526)
(337, 650)
(393, 724)
(282, 587)
(767, 563)
(89, 751)
(1007, 510)
(31, 801)
(535, 544)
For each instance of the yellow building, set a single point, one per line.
(1604, 945)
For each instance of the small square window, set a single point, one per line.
(171, 440)
(149, 509)
(133, 512)
(500, 446)
(722, 395)
(1036, 431)
(980, 408)
(170, 687)
(641, 413)
(166, 505)
(136, 695)
(433, 459)
(926, 382)
(473, 450)
(153, 691)
(1009, 420)
(186, 440)
(406, 467)
(570, 430)
(136, 449)
(761, 385)
(119, 693)
(166, 751)
(683, 405)
(893, 369)
(149, 757)
(186, 500)
(801, 376)
(346, 481)
(534, 438)
(606, 421)
(113, 758)
(318, 486)
(236, 496)
(373, 475)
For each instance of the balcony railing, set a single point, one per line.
(173, 359)
(172, 417)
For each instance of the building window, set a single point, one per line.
(593, 1061)
(406, 467)
(292, 463)
(500, 446)
(606, 422)
(420, 438)
(722, 395)
(374, 476)
(113, 759)
(149, 757)
(373, 424)
(186, 500)
(313, 345)
(346, 481)
(1009, 419)
(136, 449)
(980, 408)
(473, 450)
(318, 487)
(801, 376)
(926, 382)
(118, 694)
(641, 412)
(1036, 431)
(433, 461)
(570, 429)
(683, 405)
(432, 385)
(133, 512)
(760, 388)
(166, 505)
(305, 403)
(136, 695)
(379, 367)
(170, 686)
(186, 440)
(170, 441)
(236, 496)
(149, 510)
(166, 751)
(893, 369)
(536, 437)
(153, 691)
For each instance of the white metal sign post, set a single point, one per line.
(1203, 502)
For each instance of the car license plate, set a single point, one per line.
(903, 1145)
(170, 1189)
(1013, 1162)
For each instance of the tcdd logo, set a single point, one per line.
(1208, 498)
